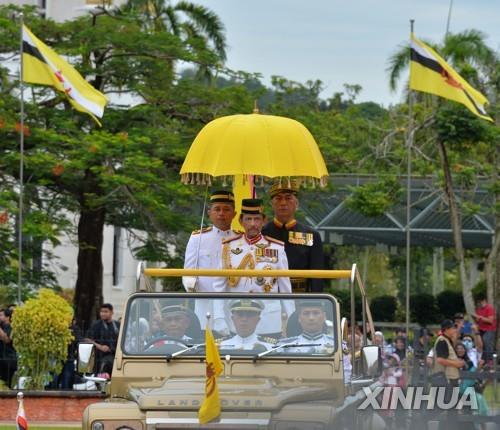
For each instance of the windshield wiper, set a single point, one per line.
(284, 345)
(182, 351)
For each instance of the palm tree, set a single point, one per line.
(184, 19)
(468, 53)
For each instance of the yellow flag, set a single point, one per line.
(210, 409)
(41, 65)
(243, 188)
(429, 73)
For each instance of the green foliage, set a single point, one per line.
(450, 302)
(41, 335)
(424, 309)
(458, 127)
(126, 172)
(374, 198)
(384, 308)
(480, 289)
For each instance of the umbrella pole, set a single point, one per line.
(201, 227)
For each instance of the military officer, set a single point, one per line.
(245, 314)
(203, 248)
(252, 250)
(303, 245)
(175, 320)
(312, 319)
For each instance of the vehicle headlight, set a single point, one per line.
(97, 425)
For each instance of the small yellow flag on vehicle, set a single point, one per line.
(429, 73)
(210, 408)
(41, 65)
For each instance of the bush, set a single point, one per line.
(450, 302)
(424, 309)
(384, 308)
(41, 333)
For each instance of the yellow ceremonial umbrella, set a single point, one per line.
(253, 144)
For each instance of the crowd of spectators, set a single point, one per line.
(453, 356)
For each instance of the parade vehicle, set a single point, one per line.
(280, 381)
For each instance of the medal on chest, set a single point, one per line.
(299, 238)
(266, 284)
(266, 255)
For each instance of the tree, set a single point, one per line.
(125, 173)
(184, 19)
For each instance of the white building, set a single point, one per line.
(119, 264)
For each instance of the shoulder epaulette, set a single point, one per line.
(203, 230)
(268, 339)
(238, 232)
(272, 239)
(231, 239)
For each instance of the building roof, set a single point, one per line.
(429, 215)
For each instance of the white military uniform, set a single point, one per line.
(245, 343)
(209, 256)
(323, 344)
(259, 253)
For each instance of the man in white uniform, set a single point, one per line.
(252, 250)
(204, 246)
(245, 314)
(312, 318)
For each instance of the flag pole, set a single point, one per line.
(21, 168)
(409, 145)
(449, 18)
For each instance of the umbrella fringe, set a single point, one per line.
(199, 178)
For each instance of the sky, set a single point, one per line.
(338, 41)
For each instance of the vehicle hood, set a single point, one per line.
(242, 393)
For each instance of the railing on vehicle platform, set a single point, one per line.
(353, 275)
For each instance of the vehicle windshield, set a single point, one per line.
(257, 326)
